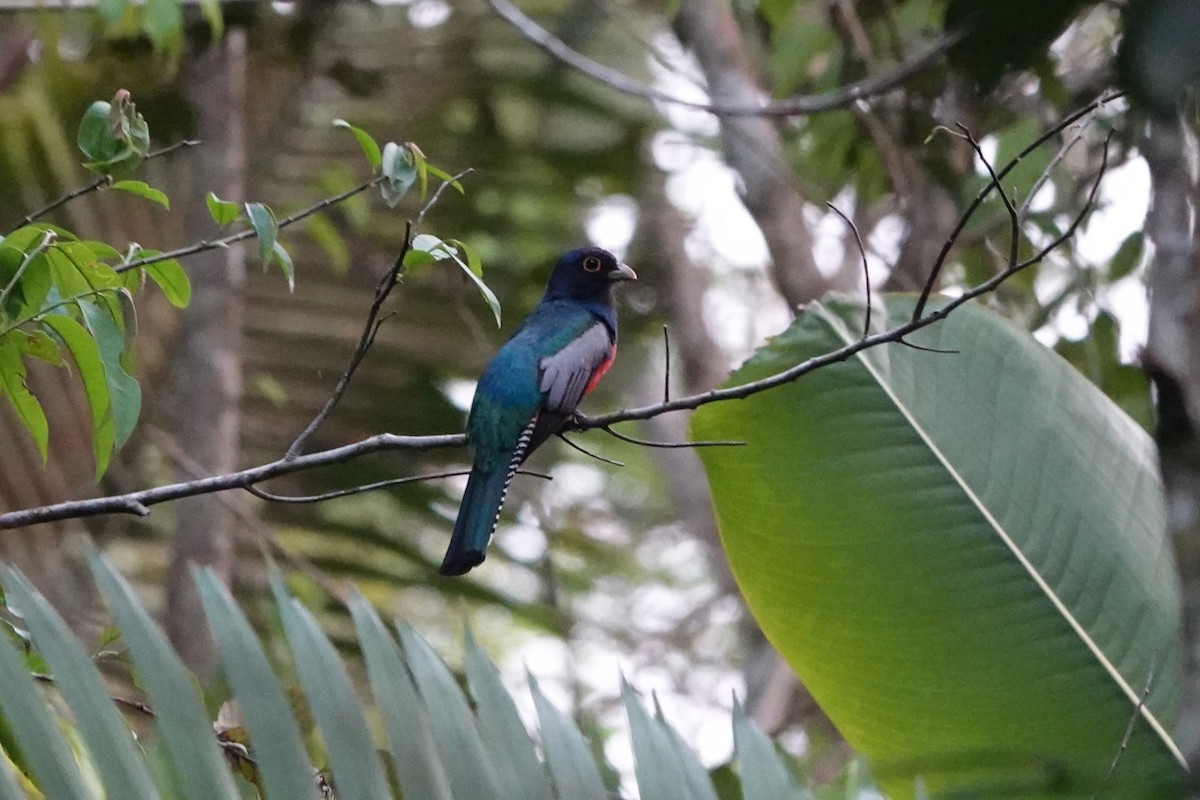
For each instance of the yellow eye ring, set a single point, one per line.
(591, 264)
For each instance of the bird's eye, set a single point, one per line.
(591, 264)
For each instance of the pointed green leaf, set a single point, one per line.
(567, 754)
(162, 20)
(446, 177)
(764, 774)
(125, 396)
(275, 738)
(223, 212)
(1128, 256)
(143, 189)
(365, 141)
(170, 276)
(357, 771)
(488, 295)
(86, 355)
(39, 345)
(35, 728)
(12, 384)
(179, 714)
(961, 555)
(503, 733)
(211, 9)
(114, 753)
(419, 770)
(285, 263)
(467, 763)
(665, 766)
(265, 228)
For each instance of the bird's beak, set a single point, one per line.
(622, 273)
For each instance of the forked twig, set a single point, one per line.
(589, 453)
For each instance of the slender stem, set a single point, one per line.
(862, 251)
(60, 304)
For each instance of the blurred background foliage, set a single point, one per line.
(603, 568)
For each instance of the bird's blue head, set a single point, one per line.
(586, 274)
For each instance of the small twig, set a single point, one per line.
(865, 89)
(935, 272)
(667, 368)
(926, 349)
(135, 705)
(589, 453)
(862, 251)
(668, 445)
(1075, 139)
(249, 233)
(369, 487)
(1129, 727)
(370, 329)
(1014, 242)
(437, 193)
(99, 183)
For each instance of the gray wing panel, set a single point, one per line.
(565, 375)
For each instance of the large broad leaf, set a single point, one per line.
(961, 555)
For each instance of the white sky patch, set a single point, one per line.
(459, 392)
(610, 223)
(428, 13)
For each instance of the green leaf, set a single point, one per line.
(961, 556)
(223, 212)
(418, 767)
(468, 766)
(170, 276)
(418, 258)
(278, 748)
(114, 753)
(474, 270)
(12, 384)
(113, 136)
(665, 766)
(285, 263)
(567, 754)
(87, 358)
(1128, 256)
(125, 396)
(143, 189)
(35, 728)
(112, 10)
(399, 172)
(503, 733)
(162, 20)
(445, 177)
(338, 712)
(211, 9)
(764, 774)
(262, 220)
(179, 714)
(39, 345)
(365, 141)
(330, 240)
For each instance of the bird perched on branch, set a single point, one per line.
(532, 386)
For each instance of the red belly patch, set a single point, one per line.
(600, 370)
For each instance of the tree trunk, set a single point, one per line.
(207, 359)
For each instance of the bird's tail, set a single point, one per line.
(477, 518)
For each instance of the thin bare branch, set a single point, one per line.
(862, 251)
(667, 367)
(139, 501)
(935, 271)
(865, 89)
(370, 487)
(589, 453)
(665, 445)
(249, 233)
(1014, 222)
(99, 183)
